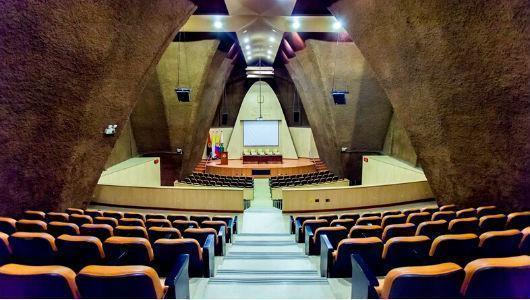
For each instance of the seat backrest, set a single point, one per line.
(524, 246)
(370, 249)
(328, 218)
(335, 234)
(430, 210)
(409, 211)
(134, 215)
(448, 207)
(155, 216)
(93, 213)
(77, 252)
(360, 231)
(101, 231)
(174, 217)
(390, 213)
(58, 228)
(505, 277)
(500, 243)
(131, 231)
(156, 233)
(57, 217)
(72, 210)
(417, 218)
(371, 214)
(157, 223)
(432, 229)
(492, 223)
(5, 249)
(406, 251)
(113, 214)
(433, 281)
(119, 282)
(353, 216)
(8, 225)
(34, 215)
(393, 219)
(487, 210)
(301, 219)
(395, 230)
(371, 220)
(464, 225)
(454, 247)
(167, 250)
(182, 225)
(200, 234)
(200, 218)
(314, 224)
(31, 226)
(447, 215)
(106, 220)
(214, 224)
(348, 223)
(466, 213)
(80, 219)
(33, 248)
(22, 281)
(131, 222)
(518, 220)
(121, 250)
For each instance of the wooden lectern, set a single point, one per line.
(224, 158)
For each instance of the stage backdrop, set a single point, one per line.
(271, 110)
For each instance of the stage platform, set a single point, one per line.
(236, 167)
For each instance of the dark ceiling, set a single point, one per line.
(302, 7)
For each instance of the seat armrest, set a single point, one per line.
(234, 225)
(178, 279)
(326, 257)
(208, 256)
(298, 231)
(308, 239)
(222, 239)
(293, 227)
(362, 279)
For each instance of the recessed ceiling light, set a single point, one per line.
(250, 57)
(274, 30)
(296, 24)
(249, 53)
(337, 25)
(247, 47)
(268, 56)
(246, 40)
(217, 24)
(271, 39)
(269, 52)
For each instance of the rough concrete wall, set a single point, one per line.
(361, 124)
(397, 142)
(458, 76)
(68, 69)
(124, 148)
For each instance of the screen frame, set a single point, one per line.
(243, 126)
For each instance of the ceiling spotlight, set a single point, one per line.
(268, 57)
(217, 24)
(246, 40)
(337, 25)
(247, 47)
(249, 53)
(269, 52)
(274, 30)
(296, 24)
(250, 57)
(271, 39)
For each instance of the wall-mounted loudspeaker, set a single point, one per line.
(183, 94)
(224, 118)
(339, 97)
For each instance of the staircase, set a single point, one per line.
(319, 165)
(201, 166)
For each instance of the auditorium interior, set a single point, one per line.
(265, 149)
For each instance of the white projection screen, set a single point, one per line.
(261, 133)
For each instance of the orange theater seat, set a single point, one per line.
(157, 223)
(156, 233)
(5, 249)
(524, 246)
(371, 214)
(131, 222)
(391, 213)
(77, 252)
(34, 215)
(93, 213)
(487, 210)
(371, 220)
(443, 215)
(409, 211)
(182, 225)
(174, 217)
(465, 225)
(8, 225)
(26, 282)
(518, 220)
(430, 210)
(72, 211)
(353, 216)
(369, 249)
(393, 219)
(167, 251)
(434, 281)
(406, 251)
(113, 214)
(360, 231)
(106, 220)
(417, 218)
(348, 223)
(313, 225)
(328, 218)
(334, 235)
(466, 213)
(58, 228)
(297, 226)
(395, 230)
(121, 251)
(200, 218)
(33, 248)
(458, 248)
(154, 216)
(492, 223)
(131, 231)
(134, 215)
(432, 229)
(80, 219)
(57, 217)
(31, 226)
(120, 282)
(447, 207)
(505, 277)
(500, 243)
(201, 234)
(101, 231)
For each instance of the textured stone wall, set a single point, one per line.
(361, 124)
(458, 76)
(397, 142)
(68, 69)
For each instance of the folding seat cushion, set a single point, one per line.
(131, 231)
(31, 226)
(34, 215)
(487, 210)
(390, 213)
(174, 217)
(373, 220)
(156, 233)
(409, 211)
(77, 252)
(120, 282)
(334, 235)
(167, 250)
(348, 223)
(505, 277)
(433, 281)
(518, 220)
(393, 219)
(182, 225)
(80, 219)
(448, 207)
(353, 216)
(328, 218)
(57, 217)
(430, 210)
(122, 251)
(395, 230)
(406, 251)
(93, 213)
(58, 228)
(200, 218)
(524, 246)
(154, 216)
(157, 223)
(72, 211)
(464, 225)
(432, 229)
(492, 223)
(369, 249)
(113, 214)
(466, 213)
(8, 225)
(443, 215)
(131, 222)
(134, 215)
(33, 248)
(500, 243)
(101, 231)
(361, 231)
(457, 248)
(106, 220)
(371, 214)
(417, 218)
(37, 282)
(5, 249)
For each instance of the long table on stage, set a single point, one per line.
(262, 159)
(236, 167)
